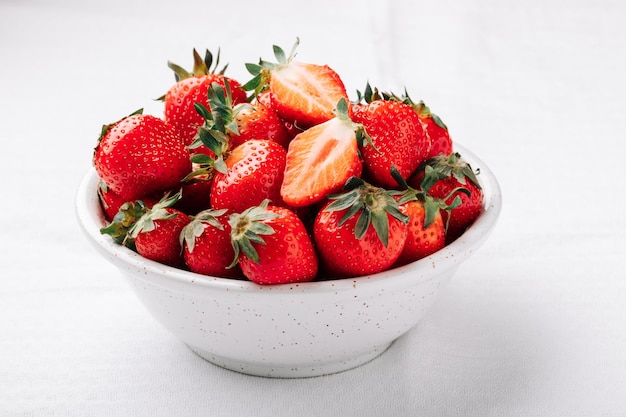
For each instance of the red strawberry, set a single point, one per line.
(112, 203)
(140, 155)
(272, 245)
(398, 140)
(321, 159)
(191, 88)
(302, 93)
(447, 177)
(253, 172)
(265, 98)
(240, 122)
(425, 236)
(426, 227)
(360, 232)
(437, 132)
(157, 233)
(109, 201)
(259, 122)
(207, 247)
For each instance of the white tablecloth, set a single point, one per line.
(533, 325)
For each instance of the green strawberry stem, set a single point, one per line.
(247, 228)
(200, 66)
(126, 217)
(431, 204)
(195, 228)
(440, 167)
(372, 204)
(261, 72)
(158, 212)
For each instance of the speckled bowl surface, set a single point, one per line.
(291, 330)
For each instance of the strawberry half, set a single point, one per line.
(321, 159)
(302, 93)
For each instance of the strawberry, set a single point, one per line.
(437, 132)
(252, 172)
(447, 177)
(426, 227)
(302, 93)
(265, 98)
(259, 122)
(240, 122)
(425, 236)
(321, 159)
(191, 88)
(140, 155)
(206, 245)
(360, 231)
(155, 233)
(272, 245)
(112, 203)
(398, 140)
(109, 201)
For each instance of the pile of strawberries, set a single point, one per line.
(282, 178)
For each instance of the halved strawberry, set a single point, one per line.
(321, 159)
(302, 93)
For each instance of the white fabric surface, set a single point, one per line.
(533, 325)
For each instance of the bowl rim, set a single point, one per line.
(447, 258)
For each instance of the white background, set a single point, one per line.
(533, 325)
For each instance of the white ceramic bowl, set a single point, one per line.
(291, 330)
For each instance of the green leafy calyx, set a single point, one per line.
(195, 228)
(157, 212)
(261, 72)
(248, 228)
(441, 167)
(372, 204)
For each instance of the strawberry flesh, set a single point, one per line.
(306, 93)
(319, 162)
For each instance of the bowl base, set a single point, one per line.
(291, 370)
